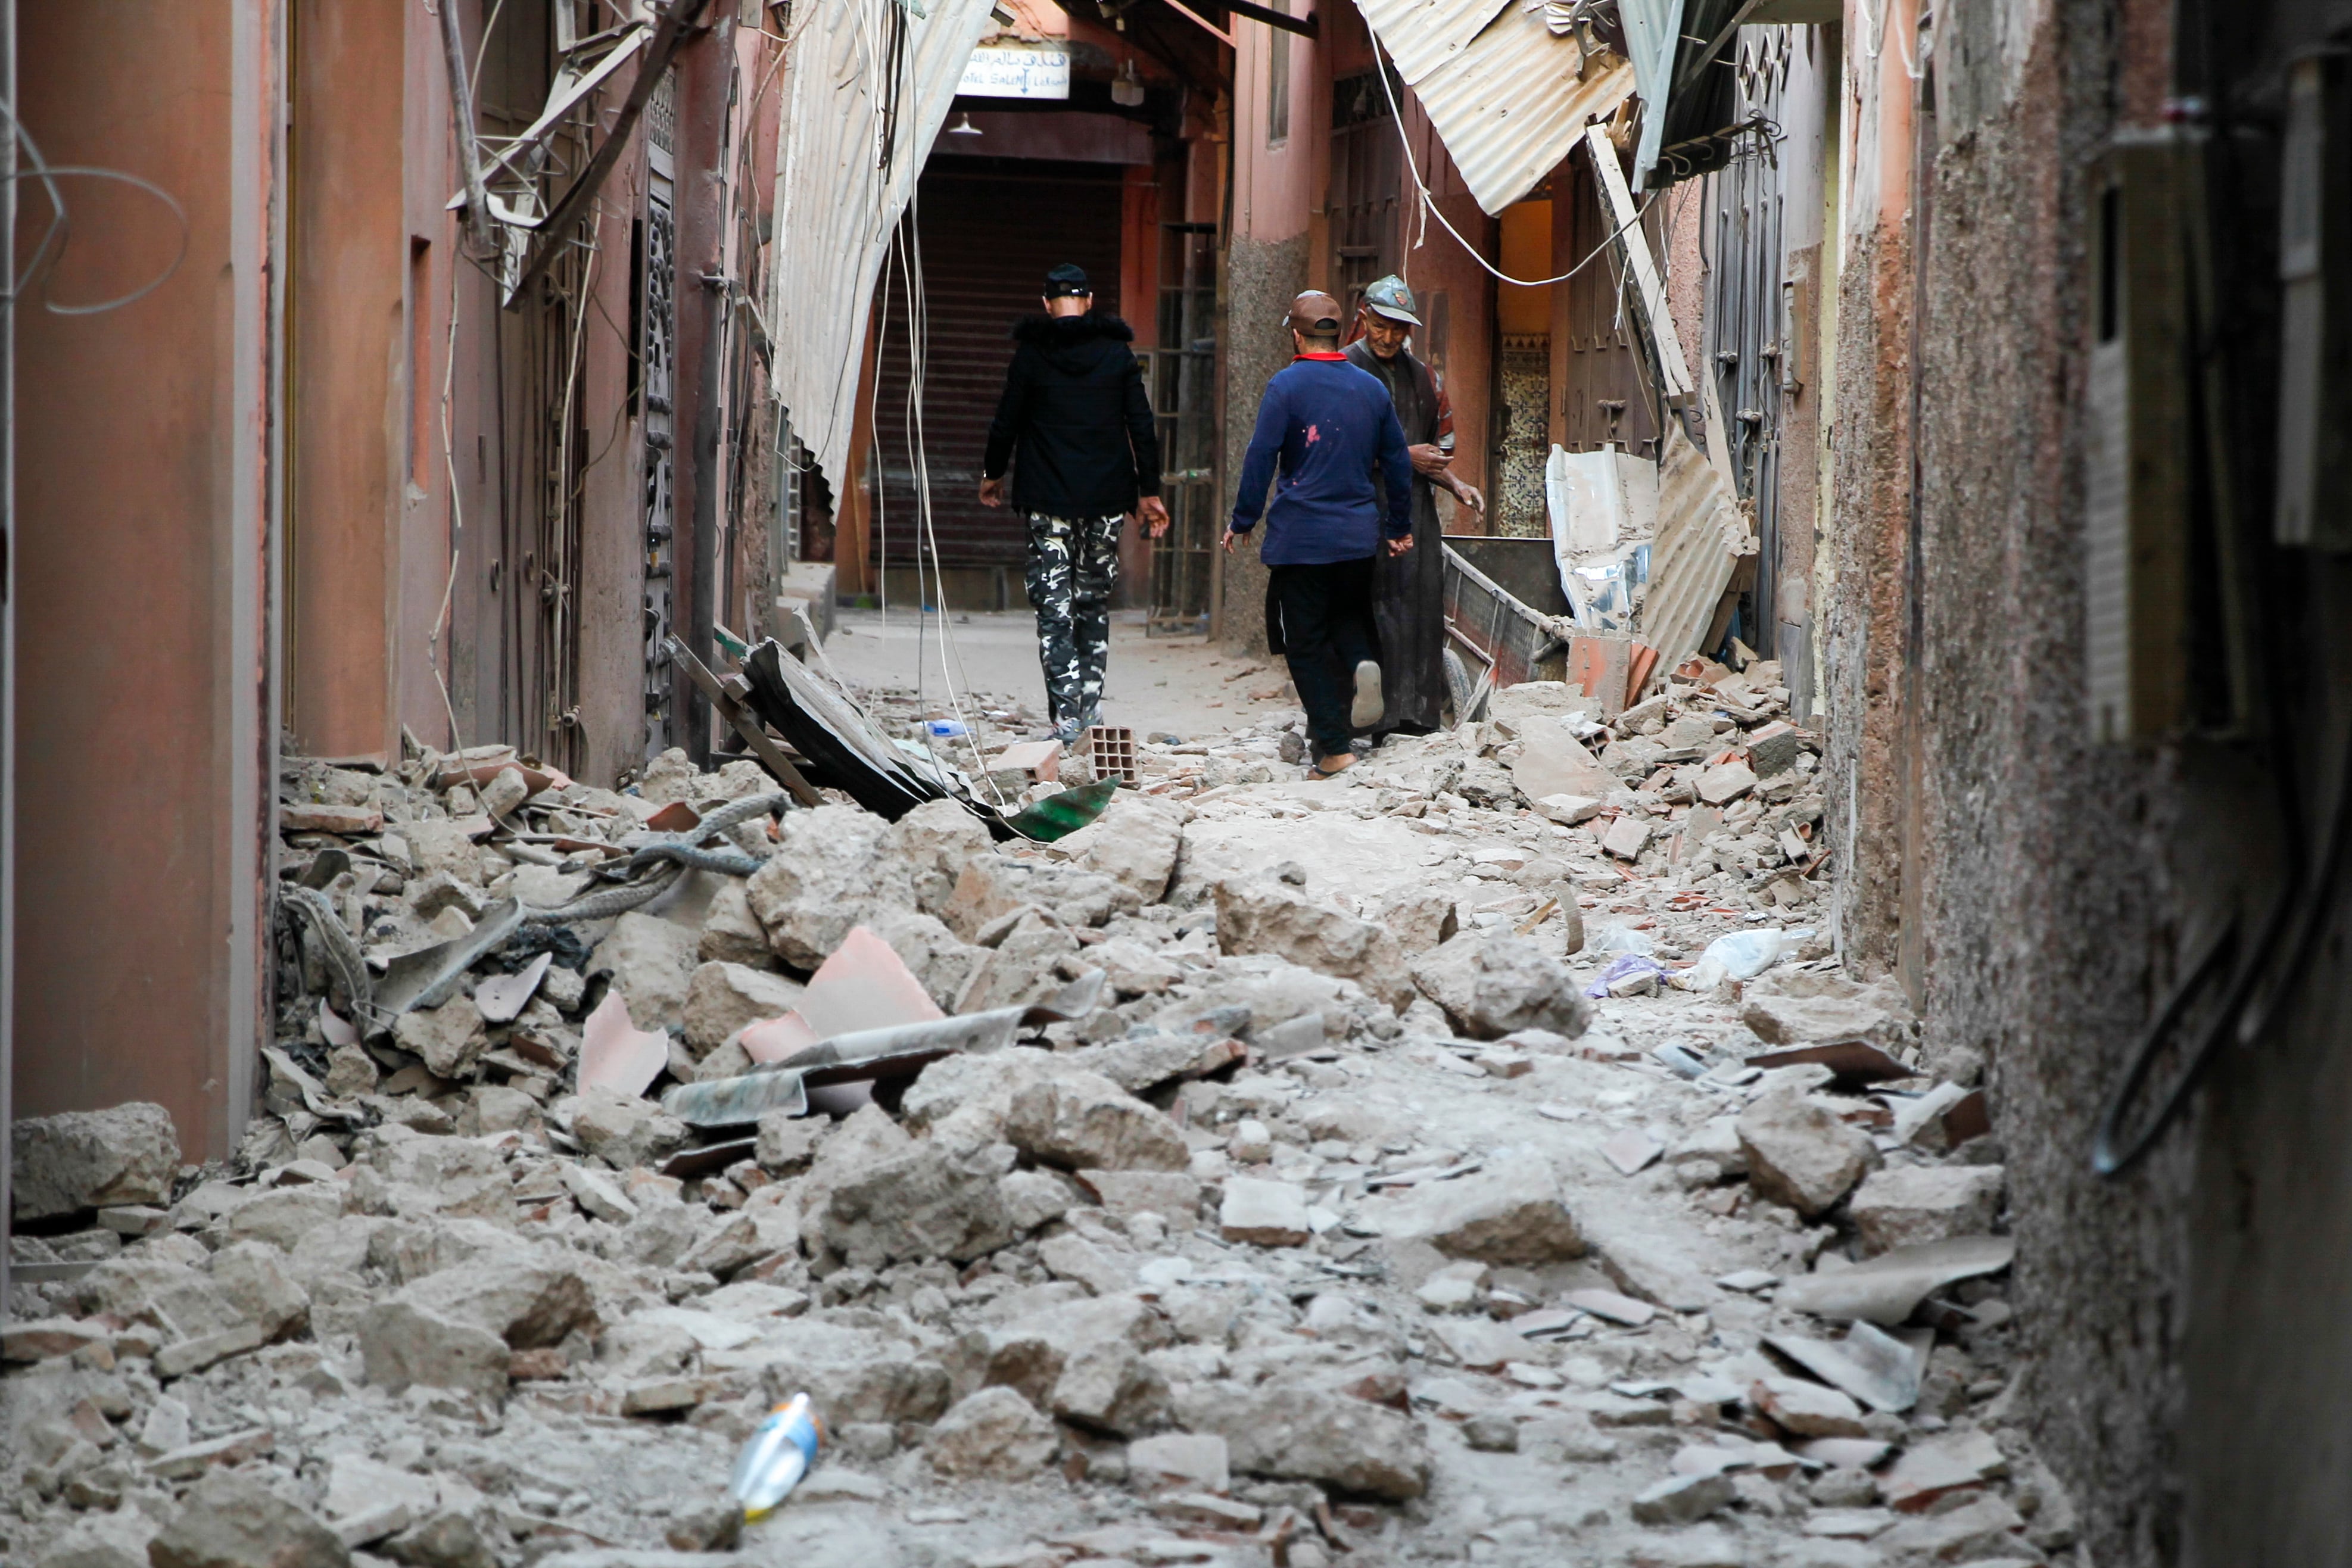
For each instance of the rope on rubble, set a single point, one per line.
(312, 910)
(668, 858)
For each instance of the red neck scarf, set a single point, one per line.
(1317, 354)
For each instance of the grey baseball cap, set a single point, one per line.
(1391, 299)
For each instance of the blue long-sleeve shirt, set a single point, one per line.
(1328, 423)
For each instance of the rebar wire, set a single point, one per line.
(44, 261)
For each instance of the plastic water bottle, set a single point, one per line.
(945, 728)
(776, 1457)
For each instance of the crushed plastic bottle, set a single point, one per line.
(1741, 956)
(776, 1457)
(945, 728)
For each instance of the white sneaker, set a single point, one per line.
(1370, 703)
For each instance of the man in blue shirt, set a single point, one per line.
(1330, 424)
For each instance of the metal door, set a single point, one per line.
(1747, 313)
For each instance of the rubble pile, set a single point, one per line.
(1457, 1160)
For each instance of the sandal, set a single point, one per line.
(1332, 766)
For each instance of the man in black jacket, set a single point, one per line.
(1077, 428)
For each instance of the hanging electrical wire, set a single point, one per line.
(1430, 208)
(44, 262)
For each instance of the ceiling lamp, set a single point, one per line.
(1127, 88)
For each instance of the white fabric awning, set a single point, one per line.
(854, 141)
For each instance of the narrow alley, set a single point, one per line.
(677, 886)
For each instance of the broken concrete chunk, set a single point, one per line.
(233, 1520)
(1263, 1213)
(1509, 1212)
(45, 1339)
(1255, 916)
(929, 845)
(786, 1144)
(401, 1343)
(283, 1216)
(252, 1278)
(1081, 1121)
(1801, 1021)
(529, 1301)
(651, 961)
(450, 1037)
(1493, 986)
(1683, 1500)
(1135, 841)
(1569, 811)
(623, 1130)
(1627, 837)
(1910, 1204)
(1807, 1409)
(731, 933)
(1180, 1461)
(995, 1435)
(721, 998)
(64, 1164)
(925, 1202)
(597, 1194)
(1175, 1195)
(1721, 786)
(119, 1538)
(1800, 1154)
(1293, 1431)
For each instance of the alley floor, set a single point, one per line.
(1186, 685)
(1478, 1159)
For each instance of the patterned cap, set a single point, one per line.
(1391, 299)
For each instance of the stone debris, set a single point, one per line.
(1342, 1218)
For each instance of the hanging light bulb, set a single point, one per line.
(964, 127)
(1127, 88)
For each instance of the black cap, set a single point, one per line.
(1068, 278)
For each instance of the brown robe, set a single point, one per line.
(1409, 590)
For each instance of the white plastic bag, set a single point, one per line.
(1740, 955)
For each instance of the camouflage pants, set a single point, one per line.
(1073, 561)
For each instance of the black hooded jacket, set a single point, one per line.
(1074, 421)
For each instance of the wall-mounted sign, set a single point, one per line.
(998, 70)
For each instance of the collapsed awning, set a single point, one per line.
(1508, 96)
(1689, 97)
(870, 85)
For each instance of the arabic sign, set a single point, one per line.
(1005, 71)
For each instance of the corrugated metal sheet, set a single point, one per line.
(854, 141)
(1653, 32)
(1508, 98)
(1701, 536)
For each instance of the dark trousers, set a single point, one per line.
(1325, 616)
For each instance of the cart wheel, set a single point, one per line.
(1457, 685)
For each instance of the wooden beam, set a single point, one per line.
(1305, 27)
(744, 721)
